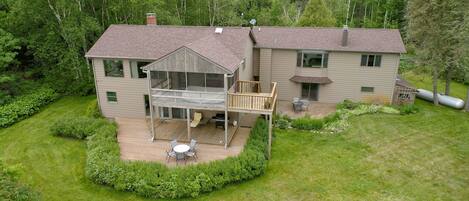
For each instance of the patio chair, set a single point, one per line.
(192, 150)
(173, 143)
(197, 118)
(170, 154)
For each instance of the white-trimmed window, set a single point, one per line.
(312, 59)
(111, 96)
(371, 60)
(113, 68)
(368, 89)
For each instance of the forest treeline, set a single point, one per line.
(44, 41)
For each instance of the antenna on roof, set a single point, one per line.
(252, 22)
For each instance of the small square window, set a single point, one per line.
(368, 89)
(111, 96)
(113, 68)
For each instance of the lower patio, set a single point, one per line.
(135, 142)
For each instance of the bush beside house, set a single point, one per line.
(11, 190)
(26, 106)
(155, 180)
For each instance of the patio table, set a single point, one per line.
(180, 150)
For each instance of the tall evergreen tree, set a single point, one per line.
(429, 28)
(317, 14)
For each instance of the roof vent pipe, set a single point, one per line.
(151, 19)
(345, 36)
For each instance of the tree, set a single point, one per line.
(317, 14)
(429, 28)
(8, 49)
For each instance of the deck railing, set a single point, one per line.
(247, 95)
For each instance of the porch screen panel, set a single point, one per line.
(196, 81)
(177, 80)
(159, 79)
(215, 82)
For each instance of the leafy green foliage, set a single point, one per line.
(93, 110)
(317, 14)
(307, 123)
(26, 106)
(77, 127)
(11, 189)
(409, 109)
(347, 104)
(104, 165)
(8, 48)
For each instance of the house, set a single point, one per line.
(174, 72)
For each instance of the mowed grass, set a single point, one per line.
(381, 157)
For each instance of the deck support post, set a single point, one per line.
(151, 106)
(188, 114)
(269, 148)
(226, 109)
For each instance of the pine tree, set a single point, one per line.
(317, 14)
(430, 29)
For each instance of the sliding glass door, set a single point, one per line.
(172, 113)
(309, 91)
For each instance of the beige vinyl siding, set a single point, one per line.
(255, 62)
(265, 67)
(130, 92)
(343, 69)
(283, 68)
(348, 77)
(246, 73)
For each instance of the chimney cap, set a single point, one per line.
(345, 27)
(151, 14)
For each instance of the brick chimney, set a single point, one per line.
(151, 19)
(345, 36)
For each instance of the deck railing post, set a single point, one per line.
(226, 110)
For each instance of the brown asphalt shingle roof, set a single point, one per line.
(154, 42)
(359, 40)
(227, 49)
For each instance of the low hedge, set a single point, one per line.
(25, 106)
(307, 123)
(104, 166)
(77, 127)
(10, 189)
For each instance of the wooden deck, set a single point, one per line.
(206, 134)
(135, 144)
(315, 109)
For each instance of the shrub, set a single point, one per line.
(331, 118)
(408, 109)
(282, 124)
(104, 166)
(26, 106)
(348, 104)
(76, 127)
(93, 110)
(10, 189)
(307, 123)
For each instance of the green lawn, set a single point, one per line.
(423, 81)
(381, 157)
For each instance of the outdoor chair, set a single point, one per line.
(192, 151)
(170, 154)
(197, 118)
(173, 143)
